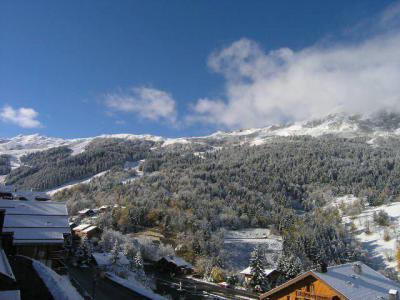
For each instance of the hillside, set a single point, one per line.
(194, 189)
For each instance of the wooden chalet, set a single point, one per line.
(87, 230)
(271, 274)
(35, 229)
(175, 265)
(353, 281)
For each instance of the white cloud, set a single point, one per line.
(263, 88)
(147, 103)
(23, 117)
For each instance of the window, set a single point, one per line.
(288, 298)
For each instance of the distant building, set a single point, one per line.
(272, 275)
(88, 212)
(174, 264)
(352, 281)
(104, 259)
(35, 229)
(87, 230)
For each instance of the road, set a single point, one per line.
(175, 287)
(104, 289)
(183, 286)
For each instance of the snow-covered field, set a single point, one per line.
(380, 251)
(239, 244)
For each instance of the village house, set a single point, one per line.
(175, 265)
(35, 229)
(87, 212)
(352, 281)
(271, 274)
(87, 230)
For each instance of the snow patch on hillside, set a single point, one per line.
(239, 244)
(75, 183)
(380, 251)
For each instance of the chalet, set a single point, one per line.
(88, 212)
(352, 281)
(35, 229)
(6, 192)
(175, 265)
(272, 275)
(87, 230)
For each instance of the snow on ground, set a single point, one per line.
(239, 244)
(59, 286)
(344, 200)
(135, 286)
(70, 185)
(380, 251)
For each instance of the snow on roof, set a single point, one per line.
(81, 227)
(178, 261)
(369, 284)
(59, 286)
(135, 286)
(46, 208)
(35, 222)
(247, 271)
(104, 259)
(5, 267)
(10, 295)
(90, 228)
(84, 211)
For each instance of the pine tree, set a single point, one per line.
(115, 252)
(289, 266)
(259, 280)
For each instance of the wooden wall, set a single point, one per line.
(305, 289)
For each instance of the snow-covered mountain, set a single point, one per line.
(382, 125)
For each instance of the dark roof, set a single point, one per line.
(35, 222)
(368, 284)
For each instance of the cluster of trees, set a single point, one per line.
(281, 185)
(56, 166)
(193, 196)
(5, 165)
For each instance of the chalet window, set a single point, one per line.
(288, 298)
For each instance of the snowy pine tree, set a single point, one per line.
(115, 252)
(259, 280)
(289, 266)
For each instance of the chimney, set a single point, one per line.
(323, 267)
(357, 268)
(393, 295)
(2, 213)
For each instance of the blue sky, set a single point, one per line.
(180, 68)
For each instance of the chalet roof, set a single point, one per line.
(104, 259)
(81, 227)
(35, 221)
(10, 295)
(85, 211)
(90, 228)
(247, 271)
(5, 268)
(178, 261)
(369, 284)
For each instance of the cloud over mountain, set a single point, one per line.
(262, 88)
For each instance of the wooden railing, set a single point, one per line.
(310, 296)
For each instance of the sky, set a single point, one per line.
(189, 68)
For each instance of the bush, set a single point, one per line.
(381, 218)
(217, 274)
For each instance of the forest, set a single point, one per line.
(194, 196)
